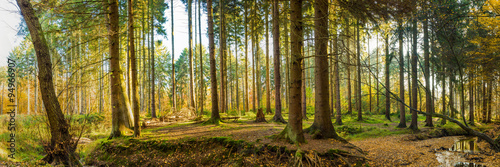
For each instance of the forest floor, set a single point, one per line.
(373, 142)
(186, 141)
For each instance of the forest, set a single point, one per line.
(260, 83)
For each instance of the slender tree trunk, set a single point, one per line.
(214, 118)
(293, 131)
(133, 63)
(443, 94)
(336, 76)
(471, 98)
(191, 72)
(414, 116)
(348, 66)
(61, 148)
(387, 80)
(268, 87)
(277, 60)
(402, 119)
(202, 80)
(222, 53)
(174, 102)
(377, 75)
(489, 94)
(358, 71)
(287, 56)
(369, 78)
(246, 95)
(303, 87)
(428, 95)
(152, 64)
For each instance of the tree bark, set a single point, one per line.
(293, 130)
(428, 95)
(246, 96)
(133, 63)
(191, 72)
(387, 80)
(322, 126)
(358, 74)
(268, 87)
(348, 66)
(277, 60)
(214, 117)
(414, 116)
(402, 119)
(62, 148)
(174, 102)
(202, 80)
(152, 63)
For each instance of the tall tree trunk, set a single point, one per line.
(303, 86)
(214, 117)
(293, 130)
(489, 94)
(246, 95)
(428, 95)
(471, 98)
(287, 56)
(222, 53)
(443, 93)
(336, 76)
(377, 75)
(191, 72)
(348, 66)
(402, 119)
(268, 87)
(152, 63)
(369, 77)
(414, 116)
(133, 63)
(452, 96)
(174, 102)
(62, 147)
(202, 80)
(358, 72)
(387, 80)
(277, 60)
(322, 126)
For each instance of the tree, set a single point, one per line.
(268, 87)
(322, 126)
(62, 148)
(348, 67)
(414, 116)
(214, 117)
(293, 130)
(191, 73)
(152, 62)
(277, 75)
(336, 77)
(133, 63)
(202, 80)
(428, 100)
(174, 103)
(358, 74)
(387, 79)
(246, 96)
(402, 119)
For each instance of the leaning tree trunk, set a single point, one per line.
(277, 75)
(61, 149)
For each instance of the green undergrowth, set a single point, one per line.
(32, 134)
(215, 151)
